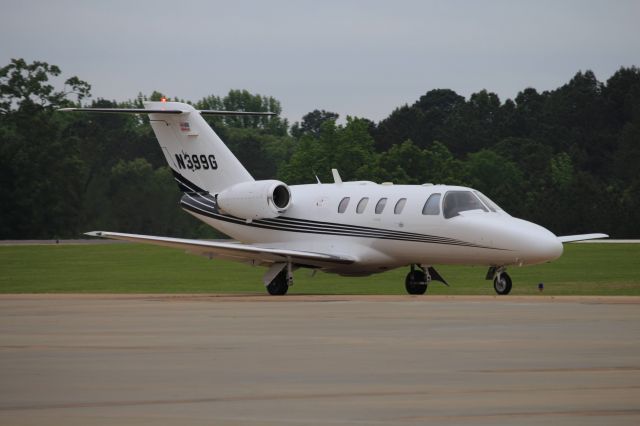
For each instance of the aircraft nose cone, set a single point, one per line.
(521, 242)
(544, 248)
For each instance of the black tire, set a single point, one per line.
(279, 285)
(502, 284)
(416, 282)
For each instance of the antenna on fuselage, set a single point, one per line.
(336, 176)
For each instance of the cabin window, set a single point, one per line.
(399, 206)
(432, 206)
(342, 207)
(460, 201)
(380, 205)
(362, 204)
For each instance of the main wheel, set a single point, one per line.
(279, 285)
(416, 282)
(502, 283)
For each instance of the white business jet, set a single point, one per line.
(348, 228)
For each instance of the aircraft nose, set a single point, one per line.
(544, 247)
(540, 246)
(521, 242)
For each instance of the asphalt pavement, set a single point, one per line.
(318, 360)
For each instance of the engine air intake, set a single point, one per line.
(281, 196)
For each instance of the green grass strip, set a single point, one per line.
(584, 269)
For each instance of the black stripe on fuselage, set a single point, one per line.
(199, 201)
(199, 205)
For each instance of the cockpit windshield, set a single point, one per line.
(460, 201)
(487, 201)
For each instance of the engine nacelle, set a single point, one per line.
(261, 199)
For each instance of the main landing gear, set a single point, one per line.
(501, 280)
(279, 285)
(418, 279)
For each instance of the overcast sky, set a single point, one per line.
(361, 58)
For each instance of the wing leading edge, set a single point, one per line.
(233, 251)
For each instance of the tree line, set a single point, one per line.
(565, 158)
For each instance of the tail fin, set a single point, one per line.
(200, 161)
(197, 156)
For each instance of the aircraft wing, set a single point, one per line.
(582, 237)
(258, 255)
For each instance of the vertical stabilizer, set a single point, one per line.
(197, 156)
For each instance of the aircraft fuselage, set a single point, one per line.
(383, 238)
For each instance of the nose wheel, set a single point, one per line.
(502, 283)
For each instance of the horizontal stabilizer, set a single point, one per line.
(581, 237)
(163, 111)
(233, 251)
(216, 112)
(124, 110)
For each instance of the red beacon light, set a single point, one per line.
(163, 99)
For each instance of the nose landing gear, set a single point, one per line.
(501, 280)
(502, 283)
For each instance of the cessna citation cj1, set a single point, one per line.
(347, 228)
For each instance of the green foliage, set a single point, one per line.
(65, 174)
(408, 164)
(348, 148)
(561, 170)
(422, 123)
(312, 123)
(242, 100)
(441, 166)
(26, 87)
(260, 152)
(41, 173)
(564, 158)
(404, 162)
(492, 174)
(575, 149)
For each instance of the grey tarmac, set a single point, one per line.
(319, 360)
